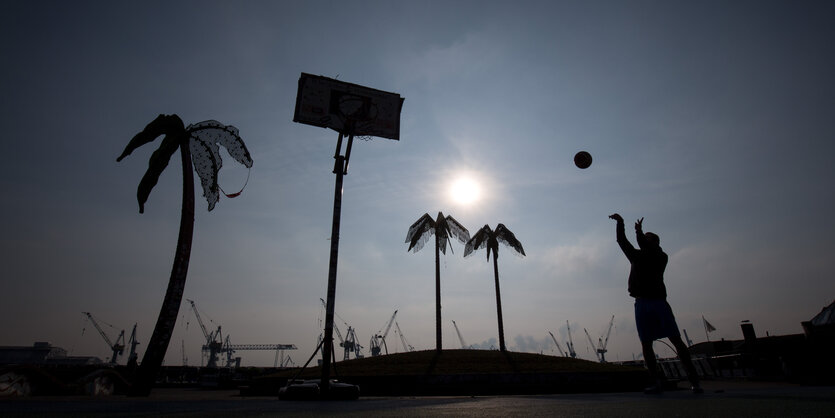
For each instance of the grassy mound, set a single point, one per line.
(430, 362)
(468, 372)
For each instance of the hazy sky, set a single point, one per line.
(712, 120)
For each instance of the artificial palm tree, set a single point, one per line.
(489, 239)
(198, 144)
(442, 228)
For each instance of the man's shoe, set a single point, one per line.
(697, 389)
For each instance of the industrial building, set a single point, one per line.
(42, 353)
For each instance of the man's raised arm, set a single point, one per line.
(620, 234)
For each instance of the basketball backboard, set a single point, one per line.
(330, 103)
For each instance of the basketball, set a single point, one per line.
(582, 159)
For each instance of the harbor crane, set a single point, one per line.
(216, 344)
(214, 340)
(377, 340)
(118, 347)
(460, 338)
(350, 343)
(341, 342)
(562, 353)
(185, 358)
(570, 342)
(132, 342)
(234, 362)
(687, 337)
(227, 348)
(287, 362)
(406, 345)
(601, 342)
(591, 343)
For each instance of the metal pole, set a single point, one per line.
(339, 168)
(498, 301)
(438, 343)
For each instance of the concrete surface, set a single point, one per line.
(721, 398)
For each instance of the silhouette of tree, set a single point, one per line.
(442, 228)
(198, 144)
(489, 239)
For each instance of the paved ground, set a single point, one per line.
(721, 398)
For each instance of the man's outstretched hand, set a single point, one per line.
(639, 224)
(616, 216)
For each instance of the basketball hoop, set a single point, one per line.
(329, 103)
(353, 111)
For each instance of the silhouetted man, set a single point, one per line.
(653, 315)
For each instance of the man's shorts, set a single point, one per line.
(654, 319)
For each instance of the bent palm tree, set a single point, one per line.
(489, 239)
(198, 144)
(419, 233)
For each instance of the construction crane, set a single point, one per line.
(600, 350)
(278, 348)
(341, 342)
(118, 347)
(406, 345)
(229, 351)
(132, 356)
(233, 362)
(378, 339)
(562, 353)
(185, 358)
(349, 344)
(214, 339)
(591, 343)
(460, 338)
(687, 338)
(287, 362)
(570, 342)
(352, 344)
(348, 347)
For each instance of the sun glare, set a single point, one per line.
(464, 191)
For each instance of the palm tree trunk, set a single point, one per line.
(437, 293)
(155, 353)
(498, 302)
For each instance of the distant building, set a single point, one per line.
(805, 357)
(42, 353)
(825, 317)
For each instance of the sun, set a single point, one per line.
(465, 190)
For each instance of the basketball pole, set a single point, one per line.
(340, 168)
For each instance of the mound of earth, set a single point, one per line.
(465, 372)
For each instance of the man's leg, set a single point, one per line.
(687, 362)
(652, 366)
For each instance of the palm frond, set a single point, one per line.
(226, 135)
(207, 163)
(172, 127)
(420, 232)
(442, 243)
(457, 230)
(156, 165)
(163, 124)
(478, 241)
(506, 237)
(205, 139)
(442, 229)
